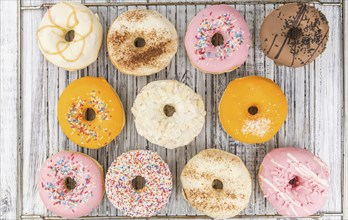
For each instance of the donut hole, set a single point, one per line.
(217, 39)
(139, 42)
(169, 110)
(294, 181)
(253, 110)
(90, 114)
(294, 33)
(69, 36)
(69, 183)
(217, 184)
(138, 183)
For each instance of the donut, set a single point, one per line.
(70, 35)
(216, 183)
(141, 42)
(122, 183)
(71, 184)
(168, 113)
(294, 34)
(294, 181)
(252, 109)
(90, 112)
(217, 39)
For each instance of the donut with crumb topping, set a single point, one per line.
(168, 113)
(141, 42)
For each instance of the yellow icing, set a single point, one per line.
(90, 93)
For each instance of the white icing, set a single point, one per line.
(170, 132)
(84, 48)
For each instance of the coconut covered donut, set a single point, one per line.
(294, 34)
(216, 183)
(294, 181)
(217, 39)
(71, 184)
(139, 183)
(70, 35)
(90, 112)
(141, 42)
(168, 113)
(252, 109)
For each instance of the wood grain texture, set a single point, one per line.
(9, 104)
(316, 95)
(345, 144)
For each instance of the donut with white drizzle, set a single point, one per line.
(70, 35)
(294, 181)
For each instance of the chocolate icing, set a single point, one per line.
(294, 34)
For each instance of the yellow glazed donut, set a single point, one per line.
(70, 35)
(252, 109)
(90, 112)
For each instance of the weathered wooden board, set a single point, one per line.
(9, 105)
(315, 95)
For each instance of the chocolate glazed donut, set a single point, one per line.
(294, 34)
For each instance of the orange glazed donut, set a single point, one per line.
(252, 109)
(90, 112)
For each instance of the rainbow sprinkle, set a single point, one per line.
(76, 118)
(149, 200)
(223, 24)
(60, 169)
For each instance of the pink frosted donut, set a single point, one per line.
(71, 184)
(294, 181)
(139, 200)
(227, 55)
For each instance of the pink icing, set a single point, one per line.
(86, 195)
(294, 181)
(226, 21)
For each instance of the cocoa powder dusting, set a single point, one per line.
(127, 56)
(136, 15)
(146, 57)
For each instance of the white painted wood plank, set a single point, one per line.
(34, 92)
(9, 118)
(345, 126)
(328, 107)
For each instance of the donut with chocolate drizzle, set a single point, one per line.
(294, 34)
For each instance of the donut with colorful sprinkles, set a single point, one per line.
(71, 184)
(217, 39)
(90, 112)
(139, 183)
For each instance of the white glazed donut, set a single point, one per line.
(168, 113)
(216, 183)
(78, 52)
(141, 42)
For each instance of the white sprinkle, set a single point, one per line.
(257, 127)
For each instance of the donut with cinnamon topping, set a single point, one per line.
(141, 42)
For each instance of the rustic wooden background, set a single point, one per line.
(30, 88)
